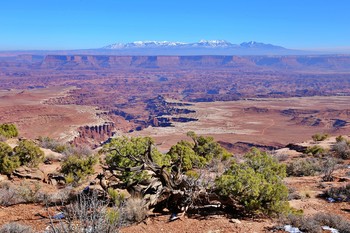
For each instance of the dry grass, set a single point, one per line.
(15, 228)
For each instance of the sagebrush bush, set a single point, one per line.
(8, 194)
(339, 193)
(14, 227)
(87, 213)
(29, 193)
(314, 224)
(23, 193)
(334, 221)
(304, 167)
(342, 149)
(328, 167)
(52, 144)
(134, 210)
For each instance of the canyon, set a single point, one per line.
(129, 94)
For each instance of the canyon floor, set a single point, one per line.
(258, 121)
(273, 122)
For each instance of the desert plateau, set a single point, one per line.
(276, 104)
(174, 116)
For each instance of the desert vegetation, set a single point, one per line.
(129, 180)
(8, 130)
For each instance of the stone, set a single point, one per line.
(234, 220)
(29, 173)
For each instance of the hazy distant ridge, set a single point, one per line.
(203, 47)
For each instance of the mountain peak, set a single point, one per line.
(259, 45)
(217, 47)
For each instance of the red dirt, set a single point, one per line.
(34, 118)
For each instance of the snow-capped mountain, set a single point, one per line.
(254, 44)
(144, 44)
(201, 43)
(202, 47)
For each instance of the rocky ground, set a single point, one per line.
(308, 190)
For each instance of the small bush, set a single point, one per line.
(256, 184)
(304, 167)
(328, 168)
(14, 227)
(52, 144)
(8, 130)
(293, 194)
(8, 161)
(282, 157)
(339, 193)
(315, 150)
(314, 224)
(88, 213)
(29, 193)
(28, 153)
(334, 221)
(116, 197)
(340, 138)
(8, 194)
(78, 166)
(319, 137)
(342, 149)
(134, 210)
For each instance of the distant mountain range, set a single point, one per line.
(201, 44)
(167, 48)
(203, 47)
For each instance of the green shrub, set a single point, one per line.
(8, 164)
(28, 153)
(340, 138)
(8, 161)
(197, 154)
(319, 137)
(315, 150)
(121, 150)
(256, 184)
(78, 166)
(183, 153)
(116, 197)
(8, 130)
(207, 148)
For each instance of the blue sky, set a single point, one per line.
(77, 24)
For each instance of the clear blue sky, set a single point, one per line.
(76, 24)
